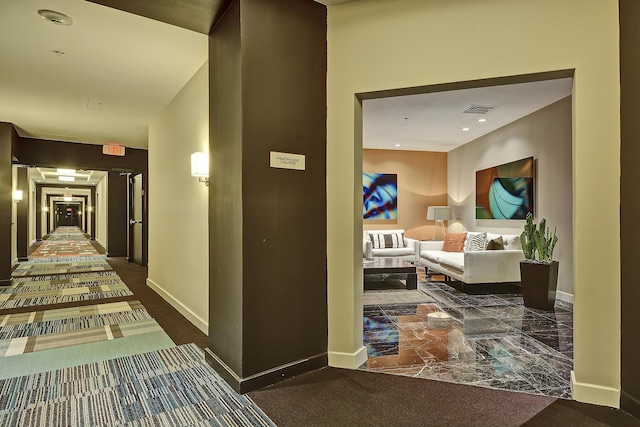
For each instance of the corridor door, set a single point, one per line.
(136, 207)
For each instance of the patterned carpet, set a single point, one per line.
(105, 364)
(55, 266)
(25, 293)
(171, 387)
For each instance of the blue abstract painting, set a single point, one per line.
(380, 196)
(505, 191)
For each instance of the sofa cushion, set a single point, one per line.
(431, 255)
(510, 241)
(391, 240)
(475, 241)
(454, 242)
(495, 244)
(394, 252)
(453, 260)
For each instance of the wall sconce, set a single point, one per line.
(17, 196)
(200, 167)
(89, 208)
(45, 209)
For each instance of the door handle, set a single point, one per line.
(133, 221)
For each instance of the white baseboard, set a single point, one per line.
(563, 296)
(594, 394)
(186, 312)
(101, 244)
(14, 262)
(348, 360)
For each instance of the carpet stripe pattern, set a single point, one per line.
(77, 318)
(171, 387)
(65, 379)
(84, 280)
(61, 293)
(33, 268)
(67, 258)
(33, 343)
(60, 277)
(52, 249)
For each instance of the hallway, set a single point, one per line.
(92, 354)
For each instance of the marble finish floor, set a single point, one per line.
(488, 341)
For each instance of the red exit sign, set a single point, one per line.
(113, 150)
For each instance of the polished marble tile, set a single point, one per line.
(490, 341)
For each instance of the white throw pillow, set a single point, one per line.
(475, 241)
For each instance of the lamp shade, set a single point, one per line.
(200, 165)
(439, 213)
(17, 195)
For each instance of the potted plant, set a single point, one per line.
(539, 277)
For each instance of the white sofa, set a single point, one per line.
(407, 253)
(475, 267)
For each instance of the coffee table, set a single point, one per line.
(394, 268)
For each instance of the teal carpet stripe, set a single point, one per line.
(66, 357)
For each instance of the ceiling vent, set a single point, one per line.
(55, 17)
(480, 109)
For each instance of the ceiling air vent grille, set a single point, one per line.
(479, 109)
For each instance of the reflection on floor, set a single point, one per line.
(488, 341)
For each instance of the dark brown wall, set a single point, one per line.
(47, 153)
(8, 136)
(268, 226)
(22, 219)
(630, 204)
(225, 191)
(284, 72)
(39, 213)
(117, 215)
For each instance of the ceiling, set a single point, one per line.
(435, 121)
(103, 78)
(116, 72)
(80, 177)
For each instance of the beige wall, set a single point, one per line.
(178, 203)
(376, 45)
(545, 135)
(422, 182)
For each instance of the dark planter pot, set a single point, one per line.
(539, 282)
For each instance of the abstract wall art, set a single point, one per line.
(380, 196)
(506, 191)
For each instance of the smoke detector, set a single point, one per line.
(55, 17)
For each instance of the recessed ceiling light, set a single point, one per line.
(67, 178)
(482, 120)
(55, 17)
(466, 129)
(397, 145)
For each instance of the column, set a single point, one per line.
(267, 233)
